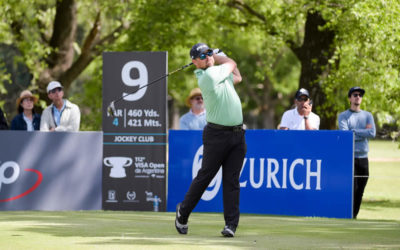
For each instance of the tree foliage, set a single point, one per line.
(58, 39)
(353, 43)
(279, 45)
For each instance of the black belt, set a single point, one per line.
(222, 127)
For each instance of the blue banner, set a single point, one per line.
(301, 173)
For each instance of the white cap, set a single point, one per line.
(52, 85)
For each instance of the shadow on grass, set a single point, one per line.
(380, 204)
(139, 229)
(113, 228)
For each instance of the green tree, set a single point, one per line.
(280, 45)
(212, 22)
(56, 43)
(368, 48)
(339, 44)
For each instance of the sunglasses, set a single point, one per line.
(355, 95)
(55, 90)
(204, 55)
(198, 98)
(302, 99)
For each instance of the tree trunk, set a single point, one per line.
(264, 115)
(62, 66)
(317, 49)
(268, 104)
(61, 42)
(268, 118)
(173, 113)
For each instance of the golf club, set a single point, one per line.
(111, 108)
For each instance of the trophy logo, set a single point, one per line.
(117, 165)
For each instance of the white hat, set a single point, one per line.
(52, 85)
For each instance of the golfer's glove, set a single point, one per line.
(219, 52)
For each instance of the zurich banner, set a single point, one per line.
(301, 173)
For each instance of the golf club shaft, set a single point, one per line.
(154, 81)
(111, 107)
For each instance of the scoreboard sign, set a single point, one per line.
(134, 142)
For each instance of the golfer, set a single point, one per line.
(223, 137)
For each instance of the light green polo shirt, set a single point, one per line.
(220, 98)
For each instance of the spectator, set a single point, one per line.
(61, 115)
(3, 121)
(26, 119)
(301, 117)
(195, 119)
(363, 126)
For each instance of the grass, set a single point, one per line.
(377, 226)
(384, 149)
(382, 196)
(150, 230)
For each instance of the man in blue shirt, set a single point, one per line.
(195, 119)
(362, 124)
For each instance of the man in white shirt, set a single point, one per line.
(195, 119)
(301, 117)
(61, 115)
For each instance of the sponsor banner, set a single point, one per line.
(134, 143)
(50, 171)
(302, 173)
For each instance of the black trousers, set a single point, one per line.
(361, 173)
(226, 148)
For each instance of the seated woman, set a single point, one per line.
(26, 119)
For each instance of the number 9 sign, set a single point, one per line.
(139, 82)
